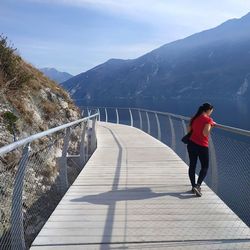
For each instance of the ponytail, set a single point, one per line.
(205, 107)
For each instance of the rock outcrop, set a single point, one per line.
(31, 103)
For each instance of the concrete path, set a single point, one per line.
(134, 193)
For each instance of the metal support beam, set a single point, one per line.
(93, 136)
(140, 118)
(214, 167)
(148, 122)
(17, 231)
(117, 116)
(131, 118)
(87, 141)
(63, 163)
(82, 144)
(173, 143)
(106, 115)
(99, 115)
(158, 126)
(184, 126)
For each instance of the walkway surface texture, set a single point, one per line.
(134, 193)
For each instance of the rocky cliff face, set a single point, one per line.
(31, 103)
(39, 104)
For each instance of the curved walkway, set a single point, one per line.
(134, 193)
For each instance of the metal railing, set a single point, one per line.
(228, 174)
(35, 172)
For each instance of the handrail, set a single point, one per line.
(220, 126)
(13, 234)
(185, 118)
(233, 129)
(229, 152)
(14, 145)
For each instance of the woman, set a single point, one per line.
(200, 125)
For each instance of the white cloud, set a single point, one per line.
(168, 20)
(194, 13)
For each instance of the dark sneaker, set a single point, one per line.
(197, 190)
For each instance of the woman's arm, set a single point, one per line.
(207, 129)
(188, 128)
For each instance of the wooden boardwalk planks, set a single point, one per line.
(134, 193)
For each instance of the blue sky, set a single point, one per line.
(76, 35)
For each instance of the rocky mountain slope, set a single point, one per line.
(31, 103)
(37, 102)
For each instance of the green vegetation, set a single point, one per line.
(13, 74)
(20, 85)
(10, 119)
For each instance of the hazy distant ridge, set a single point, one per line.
(56, 75)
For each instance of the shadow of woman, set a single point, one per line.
(111, 197)
(142, 193)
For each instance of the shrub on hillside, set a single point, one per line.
(10, 119)
(13, 74)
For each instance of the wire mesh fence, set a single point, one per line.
(34, 178)
(8, 168)
(232, 154)
(44, 177)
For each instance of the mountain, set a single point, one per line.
(56, 75)
(211, 64)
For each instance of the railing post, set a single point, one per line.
(173, 143)
(131, 118)
(158, 126)
(185, 132)
(148, 123)
(87, 141)
(140, 118)
(17, 230)
(63, 163)
(99, 116)
(82, 149)
(106, 115)
(93, 135)
(214, 170)
(117, 116)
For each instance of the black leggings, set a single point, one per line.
(195, 151)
